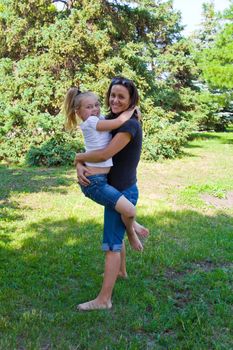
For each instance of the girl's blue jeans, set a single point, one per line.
(102, 193)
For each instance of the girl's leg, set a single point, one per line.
(103, 300)
(101, 192)
(127, 211)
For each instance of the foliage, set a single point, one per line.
(58, 150)
(44, 51)
(216, 61)
(214, 56)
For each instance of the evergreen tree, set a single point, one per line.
(215, 61)
(45, 50)
(209, 25)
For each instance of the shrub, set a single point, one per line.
(59, 150)
(167, 142)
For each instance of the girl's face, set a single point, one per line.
(89, 106)
(119, 99)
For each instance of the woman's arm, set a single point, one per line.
(110, 124)
(119, 141)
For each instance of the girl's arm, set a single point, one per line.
(108, 124)
(118, 142)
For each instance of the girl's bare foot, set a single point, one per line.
(134, 240)
(94, 305)
(140, 230)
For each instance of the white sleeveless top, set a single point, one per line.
(95, 140)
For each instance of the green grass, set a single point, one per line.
(179, 294)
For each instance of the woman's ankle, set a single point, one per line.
(122, 274)
(102, 300)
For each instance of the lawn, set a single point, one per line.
(179, 294)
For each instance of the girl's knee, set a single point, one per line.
(131, 212)
(125, 207)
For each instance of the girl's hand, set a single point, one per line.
(139, 114)
(126, 115)
(82, 172)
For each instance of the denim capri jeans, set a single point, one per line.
(102, 193)
(114, 228)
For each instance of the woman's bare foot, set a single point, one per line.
(134, 240)
(94, 305)
(140, 230)
(123, 275)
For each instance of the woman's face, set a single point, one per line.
(119, 99)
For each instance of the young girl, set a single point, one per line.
(95, 129)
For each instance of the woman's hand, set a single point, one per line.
(82, 172)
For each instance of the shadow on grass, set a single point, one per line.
(204, 136)
(223, 137)
(30, 180)
(186, 151)
(190, 146)
(50, 266)
(8, 211)
(183, 153)
(59, 264)
(228, 141)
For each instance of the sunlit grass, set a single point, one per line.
(179, 292)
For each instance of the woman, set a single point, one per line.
(125, 148)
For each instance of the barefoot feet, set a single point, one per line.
(123, 275)
(140, 230)
(134, 240)
(94, 305)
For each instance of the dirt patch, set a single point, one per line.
(173, 275)
(219, 202)
(205, 265)
(169, 333)
(208, 265)
(182, 298)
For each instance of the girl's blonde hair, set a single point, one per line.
(72, 103)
